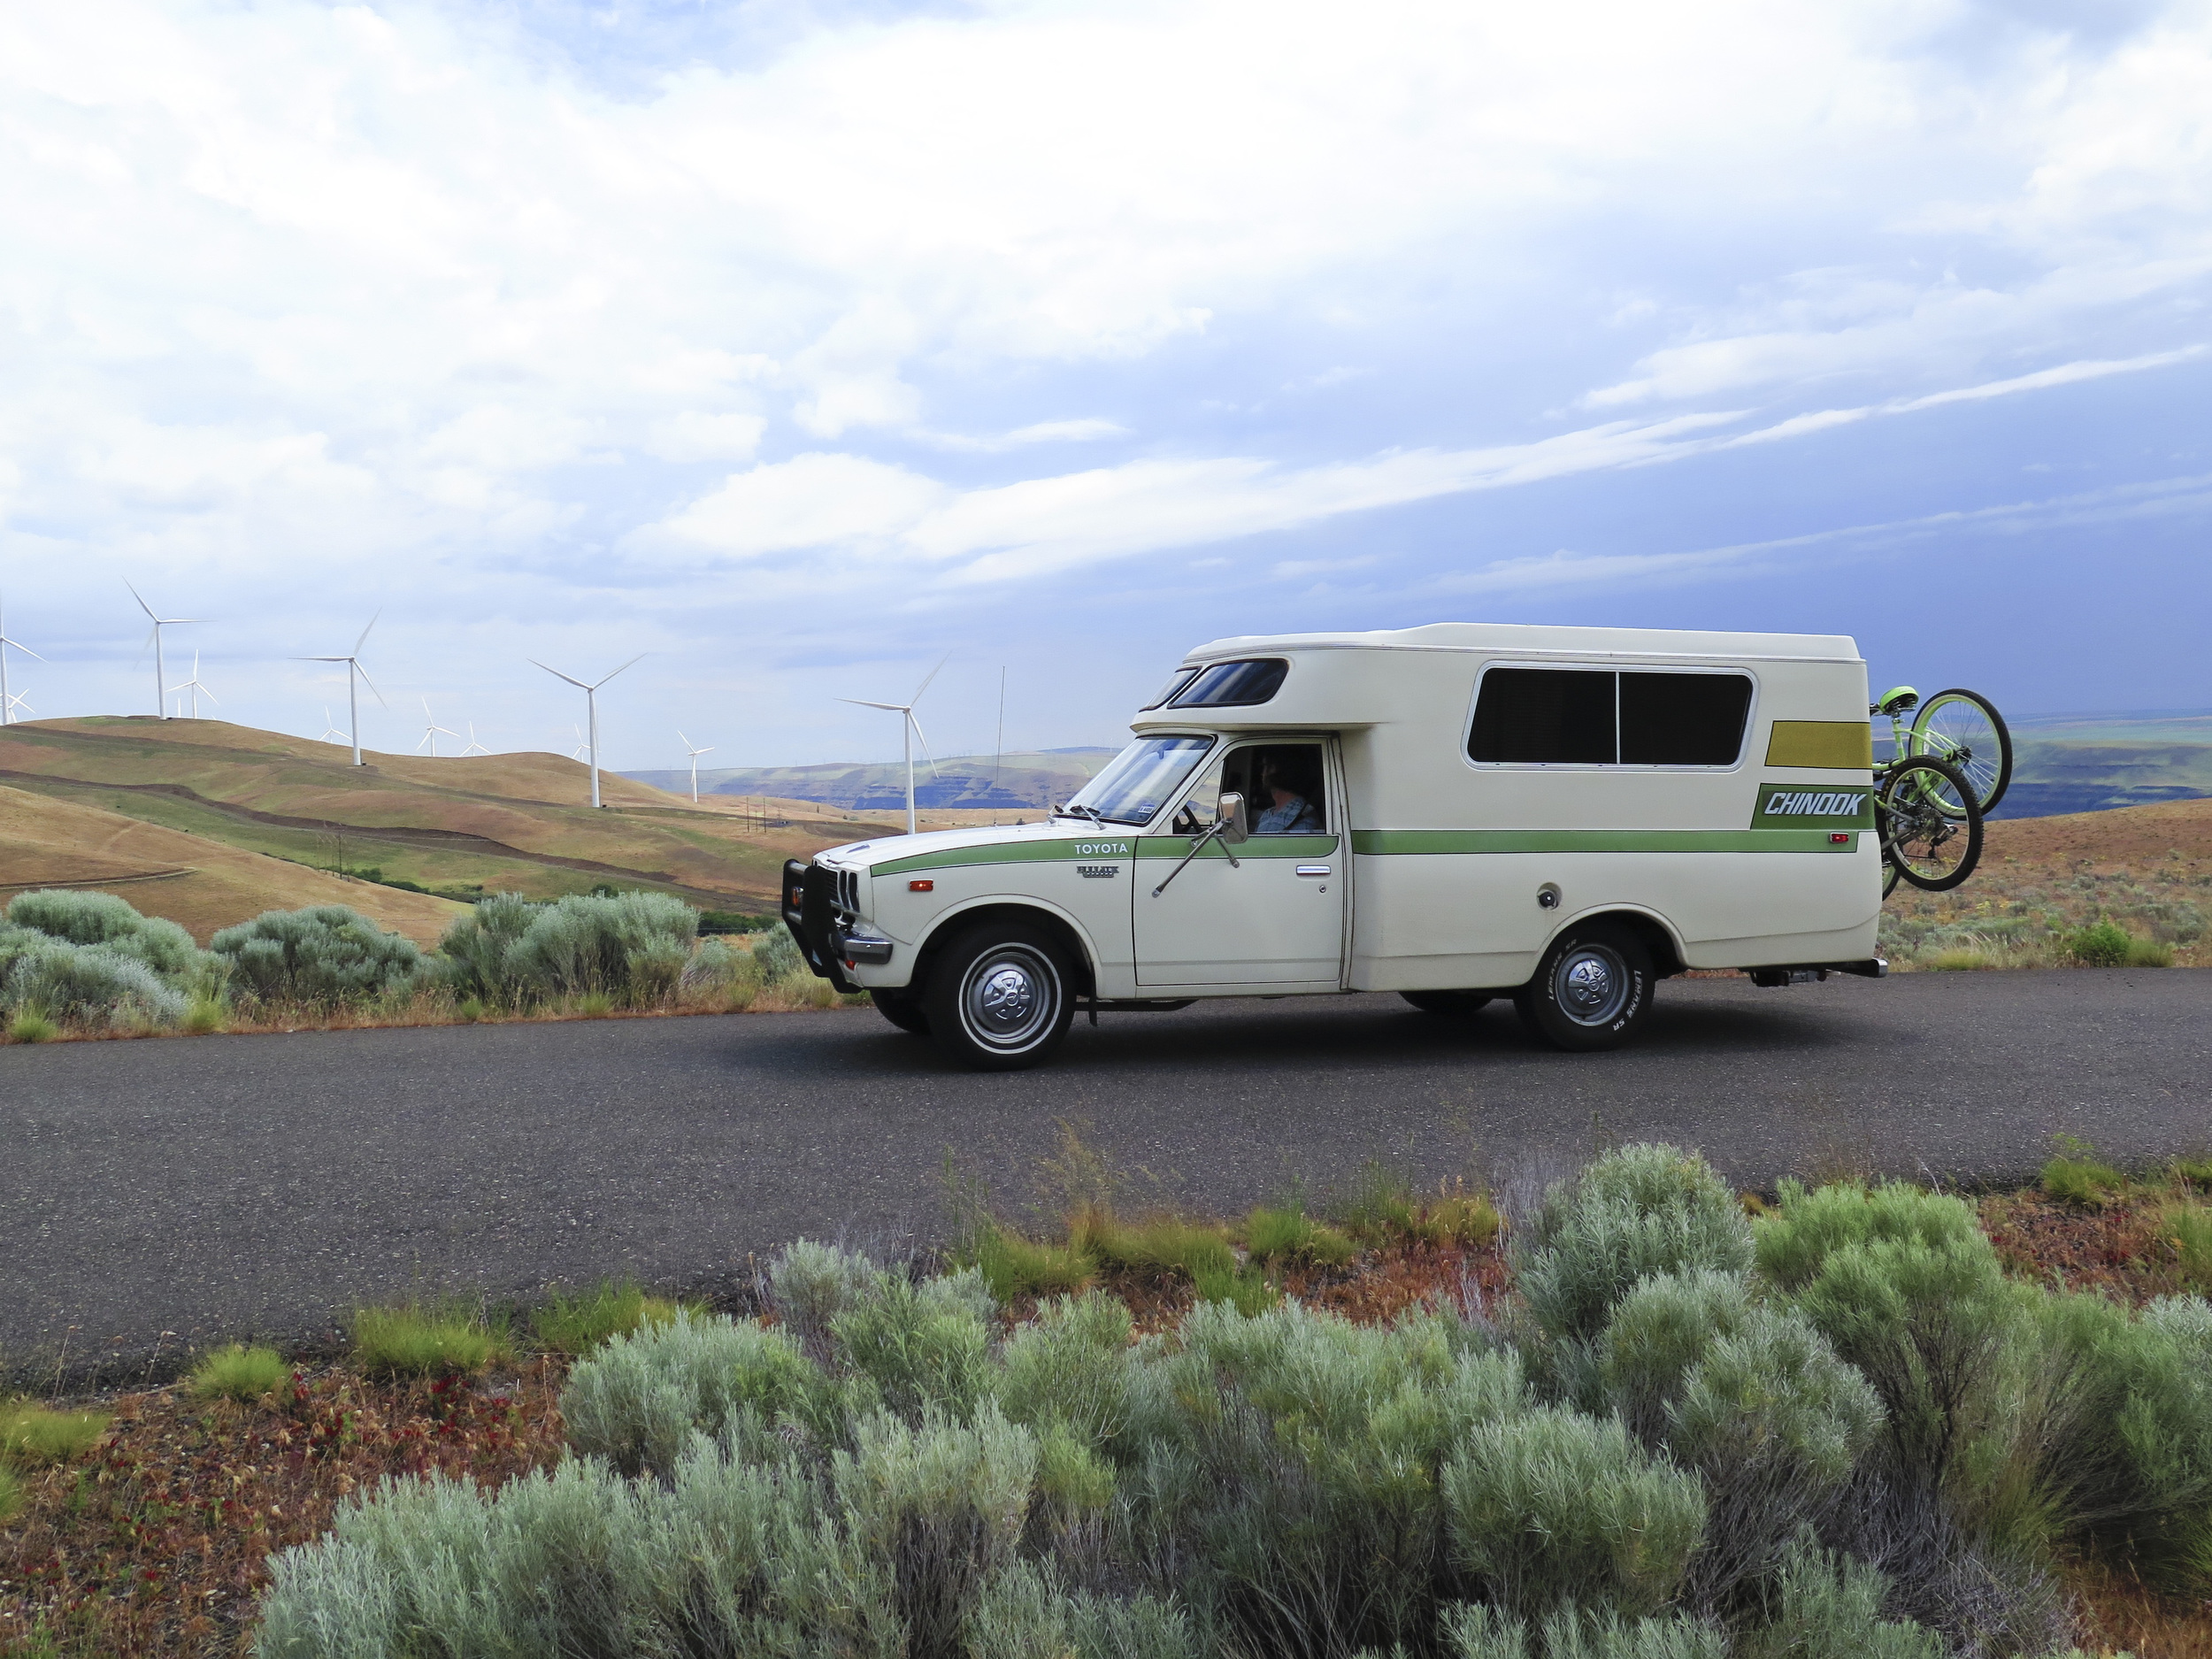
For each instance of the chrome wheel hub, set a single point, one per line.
(1591, 985)
(1010, 998)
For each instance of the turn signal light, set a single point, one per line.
(921, 887)
(1839, 837)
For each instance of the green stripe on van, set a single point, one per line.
(1093, 851)
(1389, 844)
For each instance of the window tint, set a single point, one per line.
(1535, 715)
(1181, 677)
(1589, 716)
(1229, 685)
(1683, 719)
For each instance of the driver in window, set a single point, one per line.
(1288, 811)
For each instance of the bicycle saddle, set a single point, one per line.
(1898, 700)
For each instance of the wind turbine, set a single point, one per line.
(430, 730)
(696, 761)
(591, 708)
(161, 674)
(581, 748)
(18, 700)
(910, 731)
(474, 748)
(8, 703)
(195, 688)
(331, 734)
(352, 660)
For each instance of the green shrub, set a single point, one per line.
(2149, 953)
(779, 957)
(1796, 1237)
(2193, 1171)
(811, 1284)
(2189, 1228)
(1659, 1330)
(1632, 1213)
(204, 1015)
(925, 1346)
(1014, 1266)
(1072, 1369)
(1830, 1606)
(1550, 1509)
(1289, 1235)
(632, 947)
(423, 1342)
(594, 1004)
(31, 1024)
(1024, 1613)
(324, 954)
(238, 1372)
(2082, 1181)
(101, 919)
(95, 984)
(1161, 1244)
(2101, 945)
(579, 1325)
(32, 1434)
(475, 944)
(637, 1400)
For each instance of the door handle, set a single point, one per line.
(1313, 869)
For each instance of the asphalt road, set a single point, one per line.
(215, 1188)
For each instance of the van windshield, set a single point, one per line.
(1141, 779)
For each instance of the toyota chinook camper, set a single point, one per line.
(1452, 813)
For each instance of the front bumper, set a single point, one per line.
(815, 900)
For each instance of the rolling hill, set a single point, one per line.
(203, 884)
(2064, 763)
(1030, 781)
(457, 825)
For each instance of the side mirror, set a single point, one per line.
(1235, 826)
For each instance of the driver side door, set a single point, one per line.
(1269, 912)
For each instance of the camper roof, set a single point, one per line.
(1643, 643)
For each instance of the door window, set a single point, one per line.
(1285, 788)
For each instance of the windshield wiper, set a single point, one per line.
(1090, 813)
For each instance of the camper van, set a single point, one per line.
(1450, 813)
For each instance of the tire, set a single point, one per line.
(903, 1009)
(1929, 826)
(1451, 1004)
(1963, 729)
(1593, 989)
(1000, 998)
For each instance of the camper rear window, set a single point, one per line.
(1594, 718)
(1233, 684)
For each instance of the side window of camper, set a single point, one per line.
(1591, 716)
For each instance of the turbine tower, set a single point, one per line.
(8, 701)
(910, 731)
(352, 660)
(591, 708)
(430, 728)
(694, 753)
(161, 674)
(194, 685)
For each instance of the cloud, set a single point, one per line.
(811, 501)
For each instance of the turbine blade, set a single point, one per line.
(558, 674)
(319, 659)
(924, 741)
(209, 696)
(370, 683)
(143, 605)
(932, 674)
(895, 707)
(364, 639)
(633, 662)
(20, 646)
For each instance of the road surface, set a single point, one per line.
(224, 1187)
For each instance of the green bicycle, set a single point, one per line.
(1930, 795)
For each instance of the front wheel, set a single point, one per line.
(998, 999)
(1930, 825)
(1963, 730)
(1593, 989)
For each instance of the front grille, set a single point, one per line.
(846, 896)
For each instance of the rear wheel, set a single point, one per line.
(903, 1009)
(1930, 826)
(998, 998)
(1963, 730)
(1593, 989)
(1451, 1004)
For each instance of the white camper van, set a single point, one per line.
(1452, 813)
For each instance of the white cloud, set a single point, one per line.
(808, 502)
(694, 435)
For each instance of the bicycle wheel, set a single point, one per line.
(1963, 729)
(1930, 824)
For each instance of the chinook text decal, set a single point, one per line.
(1794, 806)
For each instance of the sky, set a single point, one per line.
(799, 347)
